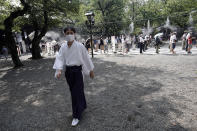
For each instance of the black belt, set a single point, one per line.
(74, 67)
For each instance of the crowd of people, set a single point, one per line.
(188, 40)
(50, 47)
(143, 42)
(123, 43)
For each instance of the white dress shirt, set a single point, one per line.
(75, 55)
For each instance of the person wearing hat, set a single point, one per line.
(74, 57)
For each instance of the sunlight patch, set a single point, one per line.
(96, 91)
(38, 103)
(4, 98)
(29, 98)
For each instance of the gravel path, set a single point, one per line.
(129, 93)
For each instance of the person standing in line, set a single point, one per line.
(18, 50)
(189, 45)
(170, 42)
(133, 42)
(157, 43)
(88, 45)
(75, 58)
(53, 43)
(187, 37)
(141, 43)
(19, 41)
(102, 45)
(105, 45)
(146, 42)
(5, 52)
(127, 43)
(95, 45)
(173, 40)
(184, 41)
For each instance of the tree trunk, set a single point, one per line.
(35, 46)
(13, 49)
(38, 36)
(36, 51)
(8, 23)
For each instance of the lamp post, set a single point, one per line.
(90, 16)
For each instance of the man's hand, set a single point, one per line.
(59, 74)
(91, 74)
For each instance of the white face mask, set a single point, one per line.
(70, 38)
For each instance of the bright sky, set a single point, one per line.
(15, 2)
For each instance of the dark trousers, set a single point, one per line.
(74, 79)
(145, 45)
(186, 48)
(141, 47)
(157, 48)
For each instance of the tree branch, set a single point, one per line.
(8, 22)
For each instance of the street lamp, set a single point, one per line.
(90, 16)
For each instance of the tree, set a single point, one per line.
(112, 12)
(8, 24)
(46, 14)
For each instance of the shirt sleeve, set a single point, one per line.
(87, 62)
(59, 61)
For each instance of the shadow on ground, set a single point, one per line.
(119, 99)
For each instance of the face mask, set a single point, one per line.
(70, 38)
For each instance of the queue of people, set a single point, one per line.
(187, 41)
(123, 43)
(143, 42)
(98, 44)
(50, 47)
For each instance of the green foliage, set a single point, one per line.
(4, 12)
(112, 17)
(157, 12)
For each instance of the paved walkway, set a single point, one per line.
(129, 93)
(151, 51)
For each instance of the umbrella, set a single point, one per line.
(158, 35)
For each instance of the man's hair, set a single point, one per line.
(69, 28)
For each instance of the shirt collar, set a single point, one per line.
(71, 45)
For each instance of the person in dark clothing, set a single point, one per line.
(141, 44)
(157, 44)
(102, 45)
(88, 45)
(5, 52)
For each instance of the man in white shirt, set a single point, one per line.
(74, 57)
(173, 40)
(141, 42)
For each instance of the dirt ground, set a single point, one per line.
(129, 93)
